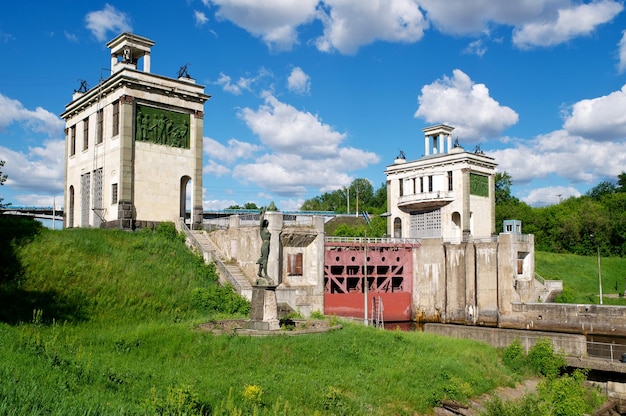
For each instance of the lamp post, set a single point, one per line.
(599, 275)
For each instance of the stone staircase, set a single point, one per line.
(228, 272)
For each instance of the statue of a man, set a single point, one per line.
(265, 249)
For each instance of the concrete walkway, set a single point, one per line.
(229, 272)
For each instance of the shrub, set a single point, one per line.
(514, 356)
(167, 230)
(220, 299)
(567, 296)
(542, 359)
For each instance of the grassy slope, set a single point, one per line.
(580, 274)
(123, 342)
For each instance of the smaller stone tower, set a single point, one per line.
(448, 193)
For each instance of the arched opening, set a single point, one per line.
(185, 198)
(397, 228)
(456, 226)
(70, 211)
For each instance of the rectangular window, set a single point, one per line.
(401, 184)
(414, 185)
(72, 140)
(449, 180)
(99, 132)
(421, 184)
(86, 133)
(294, 264)
(116, 118)
(114, 193)
(430, 183)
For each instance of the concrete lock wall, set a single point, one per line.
(295, 261)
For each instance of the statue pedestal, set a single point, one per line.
(264, 309)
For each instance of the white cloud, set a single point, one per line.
(274, 21)
(621, 66)
(298, 81)
(568, 23)
(38, 120)
(350, 24)
(42, 169)
(214, 168)
(459, 102)
(285, 129)
(558, 153)
(235, 150)
(602, 118)
(199, 17)
(549, 195)
(303, 152)
(109, 19)
(70, 36)
(476, 47)
(243, 83)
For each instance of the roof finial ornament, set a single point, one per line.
(401, 155)
(83, 86)
(182, 71)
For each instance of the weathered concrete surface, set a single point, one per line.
(570, 344)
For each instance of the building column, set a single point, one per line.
(196, 146)
(126, 176)
(146, 62)
(275, 226)
(426, 145)
(441, 143)
(465, 218)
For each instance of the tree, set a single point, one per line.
(601, 189)
(504, 181)
(621, 182)
(3, 179)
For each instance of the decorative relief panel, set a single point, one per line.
(162, 127)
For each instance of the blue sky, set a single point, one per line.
(309, 95)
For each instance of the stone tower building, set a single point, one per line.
(448, 193)
(134, 144)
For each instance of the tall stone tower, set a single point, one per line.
(134, 144)
(448, 193)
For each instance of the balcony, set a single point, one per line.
(425, 200)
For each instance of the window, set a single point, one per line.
(401, 183)
(414, 185)
(72, 140)
(430, 183)
(421, 184)
(114, 193)
(294, 264)
(99, 132)
(86, 133)
(449, 180)
(521, 256)
(116, 118)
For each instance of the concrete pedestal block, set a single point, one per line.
(264, 309)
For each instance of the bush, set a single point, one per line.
(542, 359)
(514, 356)
(168, 231)
(567, 296)
(220, 299)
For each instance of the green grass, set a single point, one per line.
(103, 322)
(580, 276)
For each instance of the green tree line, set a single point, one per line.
(578, 225)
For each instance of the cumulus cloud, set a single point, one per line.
(574, 158)
(460, 102)
(549, 195)
(41, 169)
(109, 19)
(567, 23)
(301, 152)
(235, 150)
(298, 81)
(38, 120)
(601, 118)
(274, 21)
(350, 24)
(243, 83)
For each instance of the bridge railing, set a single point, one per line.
(609, 351)
(363, 240)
